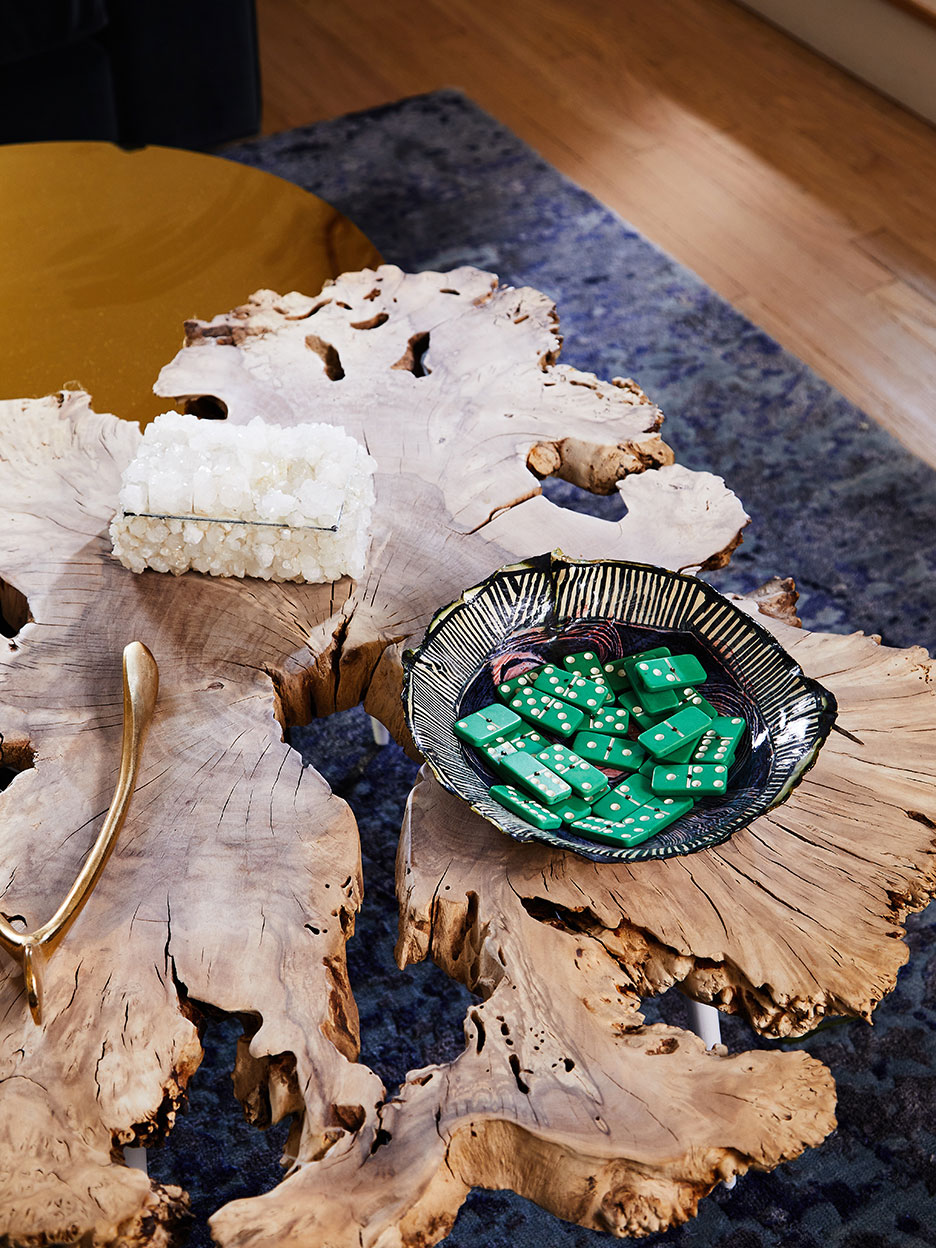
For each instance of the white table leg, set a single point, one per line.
(704, 1021)
(136, 1158)
(381, 735)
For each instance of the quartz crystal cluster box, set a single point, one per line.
(482, 709)
(276, 502)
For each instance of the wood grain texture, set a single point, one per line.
(746, 155)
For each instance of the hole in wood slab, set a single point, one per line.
(375, 322)
(210, 1085)
(413, 358)
(381, 1138)
(482, 1033)
(669, 1044)
(7, 776)
(16, 756)
(376, 781)
(328, 355)
(205, 407)
(316, 307)
(553, 915)
(574, 498)
(373, 294)
(14, 609)
(449, 290)
(515, 1067)
(351, 1117)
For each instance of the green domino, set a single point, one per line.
(683, 727)
(640, 715)
(647, 766)
(663, 700)
(533, 775)
(530, 742)
(495, 753)
(572, 808)
(507, 688)
(583, 779)
(616, 676)
(532, 812)
(664, 810)
(630, 831)
(667, 671)
(688, 696)
(546, 712)
(585, 664)
(609, 751)
(644, 822)
(618, 671)
(572, 688)
(628, 664)
(630, 795)
(614, 720)
(596, 829)
(693, 779)
(485, 725)
(588, 693)
(498, 750)
(684, 753)
(649, 708)
(720, 740)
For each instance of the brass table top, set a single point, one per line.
(105, 252)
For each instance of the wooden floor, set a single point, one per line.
(802, 196)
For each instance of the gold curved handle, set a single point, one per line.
(33, 949)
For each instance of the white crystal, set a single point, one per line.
(303, 477)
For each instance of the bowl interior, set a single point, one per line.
(545, 608)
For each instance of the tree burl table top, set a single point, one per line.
(237, 876)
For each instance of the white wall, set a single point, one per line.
(886, 46)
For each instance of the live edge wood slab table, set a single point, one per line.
(237, 875)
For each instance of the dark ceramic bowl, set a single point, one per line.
(550, 606)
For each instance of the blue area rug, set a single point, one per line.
(835, 502)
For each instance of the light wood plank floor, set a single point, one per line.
(805, 198)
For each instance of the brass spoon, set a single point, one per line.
(33, 949)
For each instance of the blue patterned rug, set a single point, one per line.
(835, 502)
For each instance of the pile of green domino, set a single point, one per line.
(641, 717)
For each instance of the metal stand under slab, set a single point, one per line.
(136, 1158)
(704, 1021)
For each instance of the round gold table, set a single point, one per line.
(106, 252)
